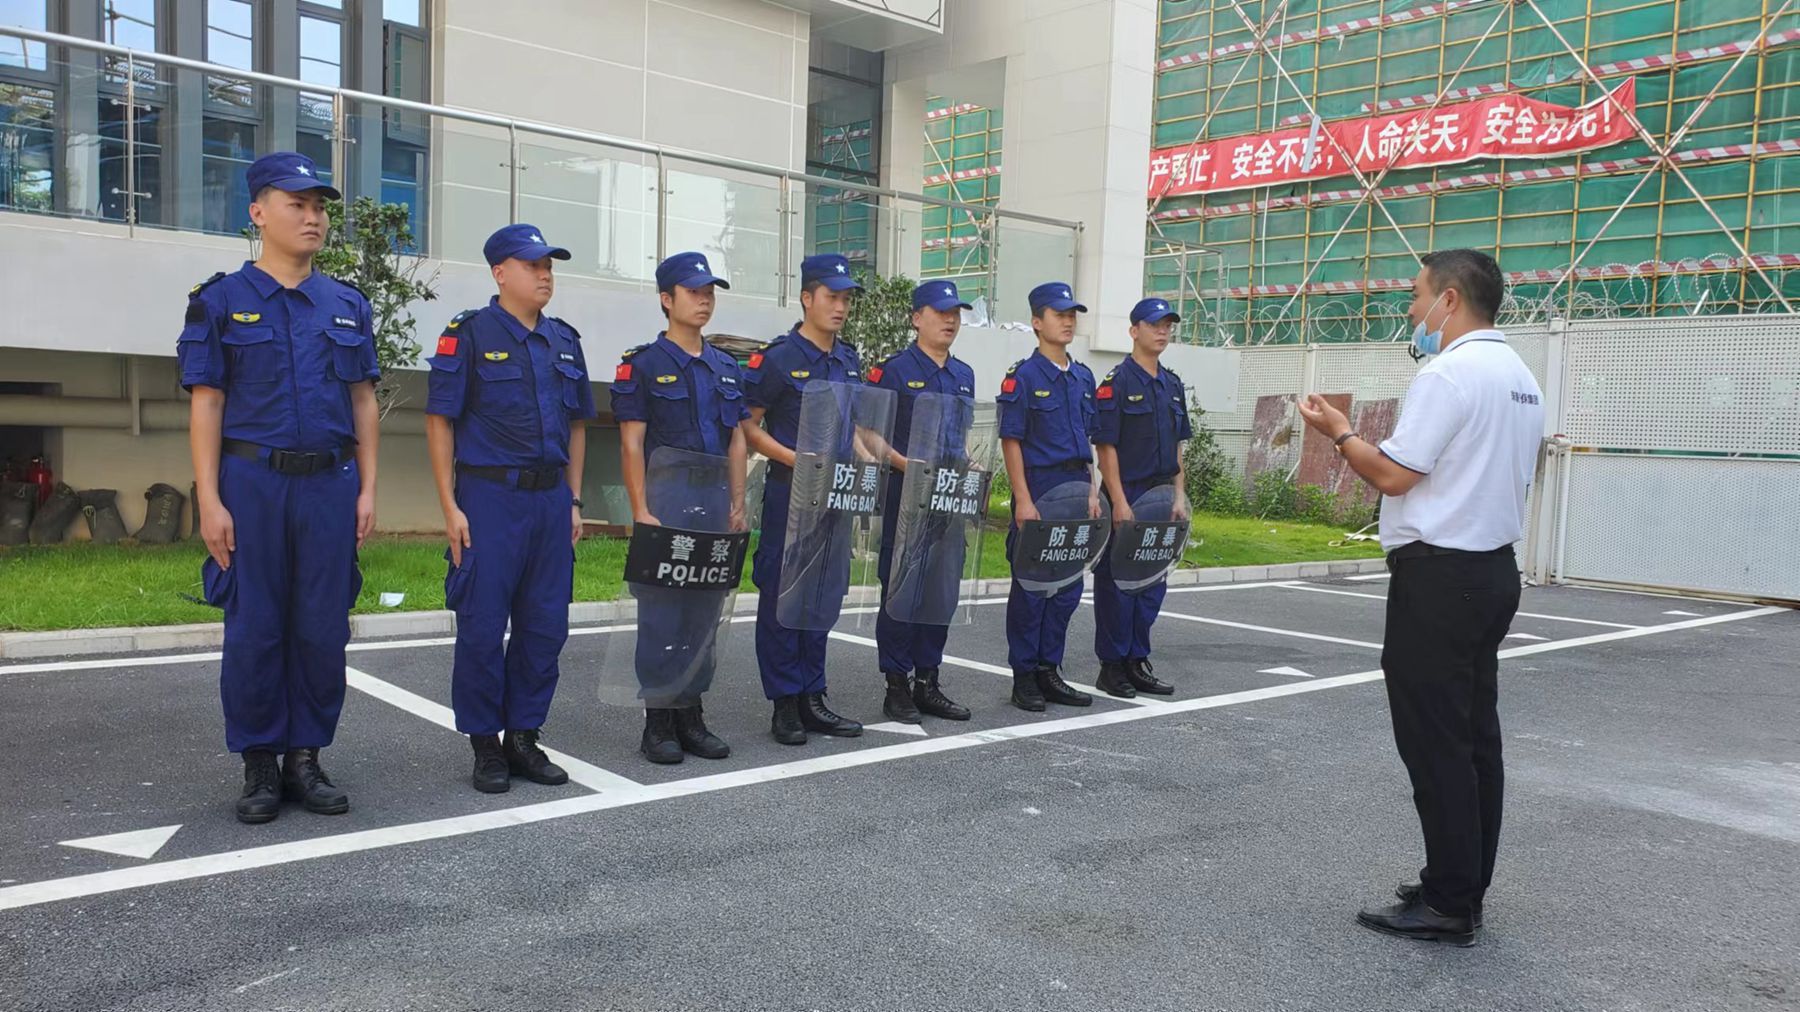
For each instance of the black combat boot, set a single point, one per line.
(898, 704)
(785, 725)
(491, 775)
(816, 717)
(302, 780)
(525, 759)
(261, 800)
(660, 744)
(929, 699)
(1026, 695)
(1115, 680)
(691, 731)
(1139, 672)
(1060, 692)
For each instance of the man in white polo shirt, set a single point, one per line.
(1454, 478)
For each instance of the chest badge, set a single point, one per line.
(1134, 398)
(916, 384)
(800, 374)
(667, 379)
(495, 356)
(246, 317)
(1040, 393)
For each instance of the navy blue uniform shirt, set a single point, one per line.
(1146, 418)
(909, 373)
(690, 402)
(779, 373)
(285, 358)
(1048, 410)
(511, 391)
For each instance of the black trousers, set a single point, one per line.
(1446, 616)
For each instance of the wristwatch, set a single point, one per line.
(576, 500)
(1339, 441)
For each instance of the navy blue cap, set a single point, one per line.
(1152, 310)
(522, 242)
(939, 295)
(1055, 295)
(287, 170)
(689, 270)
(831, 269)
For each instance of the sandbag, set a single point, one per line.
(51, 525)
(18, 500)
(101, 507)
(162, 515)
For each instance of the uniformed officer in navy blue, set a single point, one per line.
(792, 661)
(1046, 406)
(1139, 431)
(280, 360)
(681, 392)
(911, 653)
(506, 427)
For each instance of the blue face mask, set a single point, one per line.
(1427, 342)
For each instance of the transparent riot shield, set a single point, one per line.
(1052, 552)
(840, 476)
(1146, 548)
(682, 573)
(937, 514)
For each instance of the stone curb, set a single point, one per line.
(209, 635)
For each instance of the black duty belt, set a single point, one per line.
(1420, 550)
(1067, 465)
(291, 462)
(529, 479)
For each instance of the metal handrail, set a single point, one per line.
(512, 124)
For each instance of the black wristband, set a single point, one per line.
(576, 501)
(1339, 441)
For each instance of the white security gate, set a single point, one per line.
(1678, 466)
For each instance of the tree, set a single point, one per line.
(880, 320)
(372, 246)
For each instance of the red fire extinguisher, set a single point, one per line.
(39, 474)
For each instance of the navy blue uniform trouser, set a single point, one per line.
(678, 630)
(792, 661)
(518, 567)
(1122, 621)
(904, 647)
(287, 600)
(1037, 627)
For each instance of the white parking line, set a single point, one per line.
(140, 876)
(1312, 589)
(1295, 633)
(995, 669)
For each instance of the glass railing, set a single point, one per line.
(150, 140)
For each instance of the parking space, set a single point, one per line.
(1082, 858)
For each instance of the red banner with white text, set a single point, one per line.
(1503, 126)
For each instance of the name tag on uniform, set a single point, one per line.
(855, 376)
(667, 379)
(916, 384)
(800, 374)
(246, 317)
(728, 379)
(343, 321)
(965, 390)
(495, 356)
(566, 356)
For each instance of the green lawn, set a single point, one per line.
(83, 586)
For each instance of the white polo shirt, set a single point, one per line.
(1473, 421)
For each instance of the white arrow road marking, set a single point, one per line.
(1285, 670)
(139, 843)
(895, 727)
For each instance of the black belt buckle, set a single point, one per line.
(293, 463)
(537, 479)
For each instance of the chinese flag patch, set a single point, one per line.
(1009, 385)
(622, 373)
(447, 344)
(1105, 393)
(756, 360)
(875, 375)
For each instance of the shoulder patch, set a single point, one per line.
(623, 373)
(875, 374)
(633, 351)
(446, 344)
(350, 285)
(755, 361)
(1014, 367)
(1106, 392)
(457, 320)
(212, 280)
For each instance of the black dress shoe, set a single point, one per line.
(930, 699)
(525, 759)
(898, 705)
(491, 774)
(785, 725)
(1409, 891)
(261, 800)
(660, 745)
(1055, 690)
(1417, 920)
(1114, 681)
(816, 717)
(1141, 679)
(692, 732)
(302, 780)
(1026, 695)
